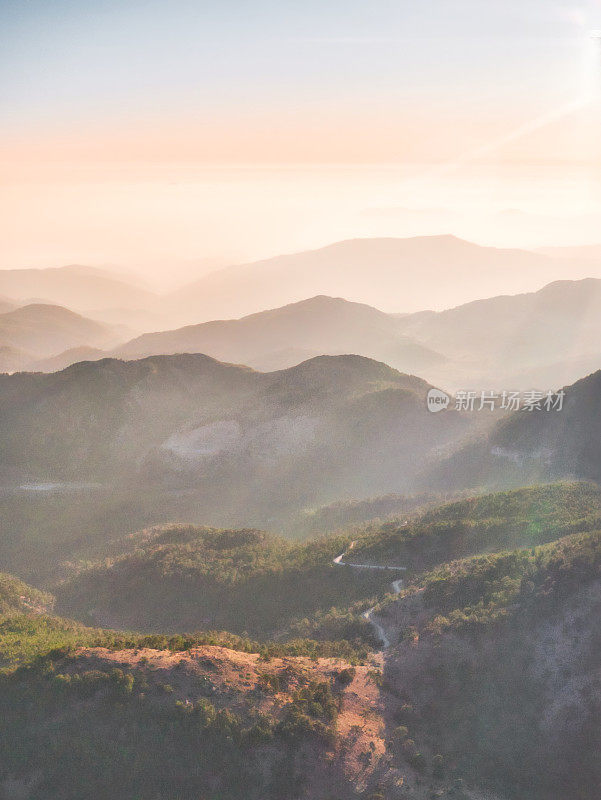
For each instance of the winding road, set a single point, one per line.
(397, 585)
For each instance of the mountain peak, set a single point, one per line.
(42, 309)
(354, 366)
(391, 274)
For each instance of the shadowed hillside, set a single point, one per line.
(496, 668)
(184, 578)
(246, 446)
(531, 446)
(485, 524)
(489, 690)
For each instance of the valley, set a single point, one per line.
(295, 577)
(268, 569)
(381, 705)
(300, 400)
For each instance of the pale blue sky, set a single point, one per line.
(138, 131)
(71, 61)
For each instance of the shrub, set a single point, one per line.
(346, 676)
(438, 767)
(418, 762)
(406, 714)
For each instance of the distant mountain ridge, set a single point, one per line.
(87, 290)
(398, 275)
(282, 337)
(542, 339)
(37, 331)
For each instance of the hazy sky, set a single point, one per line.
(144, 132)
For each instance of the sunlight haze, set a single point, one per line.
(155, 136)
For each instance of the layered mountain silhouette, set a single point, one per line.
(39, 331)
(83, 289)
(64, 359)
(542, 339)
(397, 275)
(286, 336)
